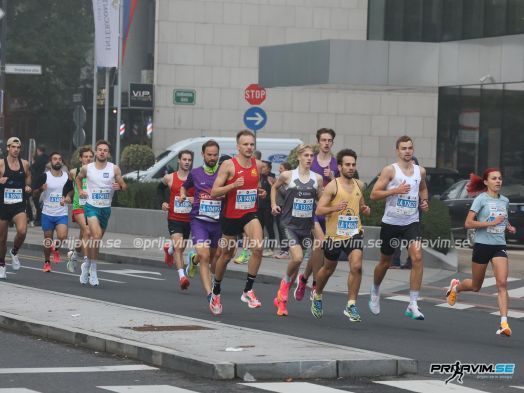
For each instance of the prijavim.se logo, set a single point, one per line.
(458, 370)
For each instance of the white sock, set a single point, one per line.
(375, 289)
(413, 297)
(181, 273)
(171, 250)
(503, 319)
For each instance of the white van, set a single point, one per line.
(273, 149)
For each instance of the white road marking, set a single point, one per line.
(73, 274)
(135, 273)
(511, 314)
(402, 298)
(429, 386)
(293, 387)
(517, 292)
(489, 282)
(145, 389)
(457, 306)
(17, 390)
(95, 369)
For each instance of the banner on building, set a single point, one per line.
(106, 15)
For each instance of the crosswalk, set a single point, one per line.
(414, 386)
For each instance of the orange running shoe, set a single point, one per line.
(451, 293)
(47, 267)
(56, 254)
(504, 329)
(283, 291)
(281, 307)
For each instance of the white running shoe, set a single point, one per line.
(15, 262)
(3, 275)
(93, 278)
(84, 273)
(71, 261)
(374, 303)
(414, 313)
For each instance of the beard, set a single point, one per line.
(348, 176)
(56, 167)
(210, 163)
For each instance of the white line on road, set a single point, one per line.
(429, 386)
(457, 306)
(72, 274)
(402, 298)
(293, 387)
(517, 387)
(17, 390)
(95, 369)
(489, 282)
(135, 273)
(517, 292)
(145, 389)
(511, 314)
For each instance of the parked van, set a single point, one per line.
(273, 149)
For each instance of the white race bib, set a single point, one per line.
(13, 195)
(347, 225)
(210, 208)
(302, 208)
(499, 228)
(407, 205)
(81, 201)
(54, 199)
(101, 197)
(246, 199)
(182, 208)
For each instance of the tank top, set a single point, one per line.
(204, 208)
(299, 202)
(317, 168)
(12, 192)
(179, 211)
(52, 195)
(100, 185)
(78, 203)
(345, 224)
(242, 200)
(402, 209)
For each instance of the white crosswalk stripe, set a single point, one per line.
(145, 389)
(490, 281)
(517, 387)
(429, 386)
(511, 314)
(402, 298)
(96, 369)
(457, 306)
(17, 390)
(292, 387)
(517, 292)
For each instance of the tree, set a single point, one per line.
(137, 158)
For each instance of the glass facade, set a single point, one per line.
(443, 20)
(480, 127)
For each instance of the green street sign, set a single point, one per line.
(184, 97)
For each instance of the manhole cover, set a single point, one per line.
(172, 328)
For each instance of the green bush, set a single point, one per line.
(292, 157)
(136, 158)
(139, 196)
(436, 222)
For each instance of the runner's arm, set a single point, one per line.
(282, 179)
(78, 179)
(219, 188)
(321, 189)
(28, 179)
(323, 205)
(379, 189)
(161, 189)
(362, 203)
(423, 190)
(119, 179)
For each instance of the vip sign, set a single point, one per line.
(140, 95)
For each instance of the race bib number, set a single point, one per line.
(13, 195)
(499, 228)
(82, 201)
(246, 199)
(302, 208)
(101, 197)
(347, 226)
(407, 205)
(54, 199)
(182, 207)
(210, 208)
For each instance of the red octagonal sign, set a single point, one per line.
(255, 94)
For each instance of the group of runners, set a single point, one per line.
(320, 204)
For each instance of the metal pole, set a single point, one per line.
(106, 107)
(119, 89)
(95, 105)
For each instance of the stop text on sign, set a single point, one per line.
(255, 94)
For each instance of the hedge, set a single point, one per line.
(139, 195)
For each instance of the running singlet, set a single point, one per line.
(12, 192)
(402, 209)
(100, 185)
(53, 195)
(179, 211)
(78, 203)
(345, 224)
(299, 202)
(317, 168)
(242, 200)
(204, 207)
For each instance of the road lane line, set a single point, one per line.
(511, 314)
(429, 386)
(95, 369)
(489, 282)
(293, 387)
(457, 306)
(146, 389)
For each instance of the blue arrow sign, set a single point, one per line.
(255, 118)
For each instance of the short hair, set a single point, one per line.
(258, 154)
(329, 131)
(210, 143)
(85, 149)
(54, 153)
(344, 153)
(102, 142)
(286, 165)
(403, 138)
(182, 152)
(268, 163)
(302, 148)
(244, 133)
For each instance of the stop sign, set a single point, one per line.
(255, 94)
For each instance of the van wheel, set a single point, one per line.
(470, 234)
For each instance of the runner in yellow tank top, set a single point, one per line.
(342, 202)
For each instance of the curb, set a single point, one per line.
(170, 359)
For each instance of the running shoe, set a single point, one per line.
(451, 293)
(283, 291)
(267, 253)
(214, 304)
(47, 267)
(250, 298)
(316, 306)
(191, 267)
(300, 290)
(313, 292)
(352, 313)
(242, 258)
(282, 255)
(504, 329)
(71, 261)
(281, 307)
(184, 283)
(374, 303)
(15, 262)
(3, 275)
(168, 258)
(84, 273)
(93, 277)
(56, 254)
(413, 312)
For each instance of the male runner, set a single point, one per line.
(342, 203)
(302, 189)
(103, 179)
(15, 185)
(403, 185)
(238, 179)
(205, 215)
(178, 214)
